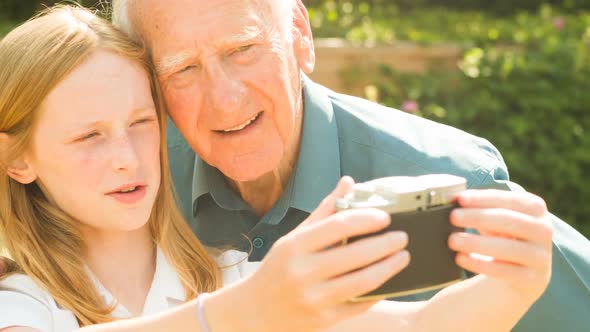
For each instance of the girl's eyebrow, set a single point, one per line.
(95, 123)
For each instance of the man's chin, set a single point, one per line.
(250, 167)
(248, 173)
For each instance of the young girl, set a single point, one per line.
(88, 215)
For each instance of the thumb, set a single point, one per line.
(327, 205)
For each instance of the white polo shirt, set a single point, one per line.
(24, 303)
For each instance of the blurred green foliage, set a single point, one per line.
(523, 83)
(364, 24)
(20, 10)
(13, 12)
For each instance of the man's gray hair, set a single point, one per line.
(120, 17)
(282, 10)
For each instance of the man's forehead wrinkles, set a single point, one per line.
(247, 33)
(232, 23)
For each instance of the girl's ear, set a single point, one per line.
(19, 169)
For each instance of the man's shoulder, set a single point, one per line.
(175, 141)
(181, 159)
(391, 142)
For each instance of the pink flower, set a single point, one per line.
(410, 106)
(559, 23)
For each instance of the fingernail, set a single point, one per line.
(460, 258)
(403, 255)
(457, 239)
(400, 236)
(383, 216)
(464, 198)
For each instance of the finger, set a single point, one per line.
(358, 254)
(327, 205)
(503, 222)
(500, 270)
(361, 282)
(517, 201)
(502, 249)
(338, 227)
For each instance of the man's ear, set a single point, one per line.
(18, 169)
(303, 38)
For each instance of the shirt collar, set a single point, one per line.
(165, 285)
(166, 281)
(318, 167)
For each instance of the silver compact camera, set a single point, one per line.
(419, 206)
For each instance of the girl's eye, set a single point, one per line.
(87, 137)
(145, 120)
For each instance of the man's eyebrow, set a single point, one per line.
(249, 32)
(169, 62)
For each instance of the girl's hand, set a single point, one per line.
(307, 279)
(515, 235)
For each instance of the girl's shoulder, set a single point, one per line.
(22, 284)
(24, 303)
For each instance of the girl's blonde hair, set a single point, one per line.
(42, 239)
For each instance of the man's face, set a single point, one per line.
(230, 75)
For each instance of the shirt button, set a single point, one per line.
(258, 243)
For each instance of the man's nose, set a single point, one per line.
(124, 154)
(227, 93)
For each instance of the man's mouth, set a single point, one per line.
(241, 126)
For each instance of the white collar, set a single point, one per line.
(165, 292)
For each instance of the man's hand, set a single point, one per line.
(515, 234)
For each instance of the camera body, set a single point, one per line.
(419, 206)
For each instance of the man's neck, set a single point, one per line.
(124, 263)
(262, 193)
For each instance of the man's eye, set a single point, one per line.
(186, 69)
(243, 48)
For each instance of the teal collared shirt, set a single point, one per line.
(344, 135)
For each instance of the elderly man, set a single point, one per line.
(255, 145)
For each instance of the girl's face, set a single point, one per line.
(96, 145)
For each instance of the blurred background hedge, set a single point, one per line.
(523, 81)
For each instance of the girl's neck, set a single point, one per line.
(124, 262)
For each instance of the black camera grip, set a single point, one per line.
(432, 264)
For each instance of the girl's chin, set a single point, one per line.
(122, 224)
